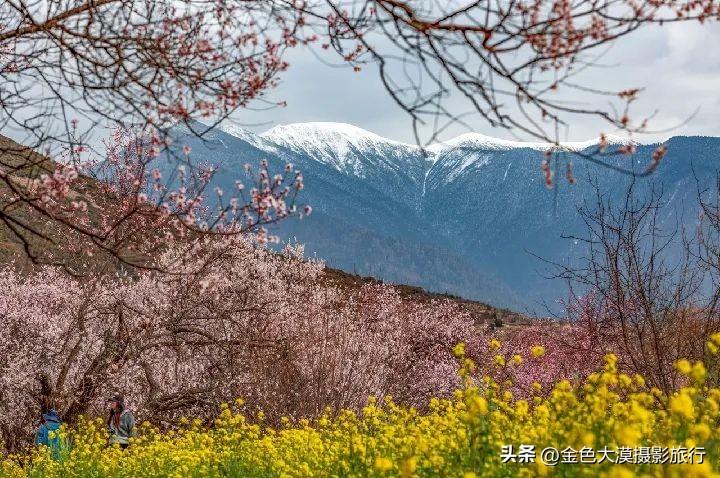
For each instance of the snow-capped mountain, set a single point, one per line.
(477, 141)
(466, 216)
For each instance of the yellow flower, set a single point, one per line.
(537, 351)
(495, 344)
(715, 338)
(610, 362)
(587, 439)
(500, 360)
(682, 405)
(683, 366)
(478, 405)
(459, 350)
(517, 360)
(450, 437)
(383, 464)
(521, 408)
(627, 435)
(697, 372)
(618, 472)
(701, 431)
(408, 467)
(625, 381)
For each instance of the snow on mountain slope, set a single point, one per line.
(254, 139)
(357, 152)
(470, 153)
(324, 134)
(345, 147)
(395, 170)
(477, 141)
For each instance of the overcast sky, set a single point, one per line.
(679, 65)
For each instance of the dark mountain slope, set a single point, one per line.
(465, 217)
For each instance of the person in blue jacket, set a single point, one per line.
(48, 433)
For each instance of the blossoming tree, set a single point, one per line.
(233, 320)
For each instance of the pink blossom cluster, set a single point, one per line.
(126, 206)
(58, 184)
(567, 353)
(225, 319)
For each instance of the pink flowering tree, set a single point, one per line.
(122, 210)
(232, 320)
(75, 68)
(532, 358)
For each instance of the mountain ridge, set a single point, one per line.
(466, 220)
(279, 131)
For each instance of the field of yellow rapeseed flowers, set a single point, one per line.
(591, 424)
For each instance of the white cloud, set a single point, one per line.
(678, 64)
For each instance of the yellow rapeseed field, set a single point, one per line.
(608, 419)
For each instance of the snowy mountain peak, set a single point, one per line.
(320, 133)
(322, 136)
(480, 141)
(246, 135)
(358, 152)
(464, 223)
(477, 141)
(345, 147)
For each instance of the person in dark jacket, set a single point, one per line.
(120, 423)
(48, 434)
